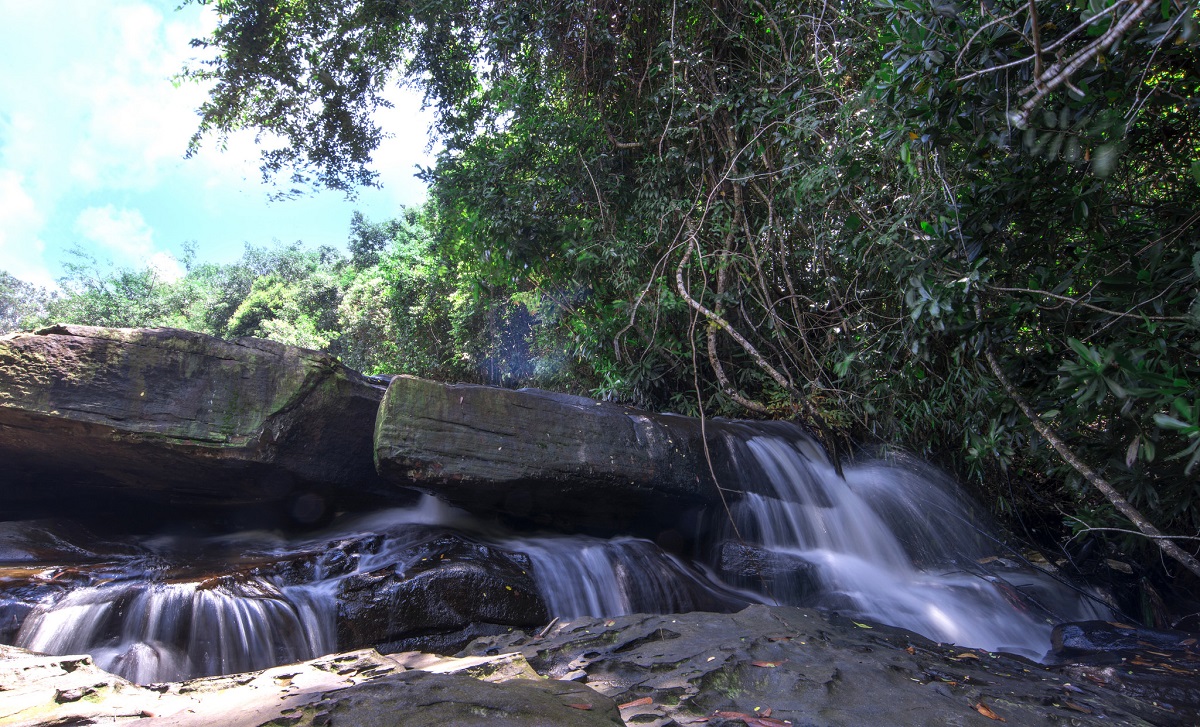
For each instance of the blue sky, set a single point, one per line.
(92, 137)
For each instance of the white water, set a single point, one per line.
(866, 533)
(886, 542)
(155, 632)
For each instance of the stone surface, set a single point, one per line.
(560, 460)
(1106, 637)
(181, 417)
(445, 590)
(813, 669)
(764, 666)
(359, 688)
(759, 568)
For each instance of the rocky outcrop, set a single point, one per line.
(181, 417)
(560, 460)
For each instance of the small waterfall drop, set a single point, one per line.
(581, 576)
(895, 545)
(154, 632)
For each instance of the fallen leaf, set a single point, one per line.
(966, 655)
(610, 623)
(911, 650)
(636, 703)
(863, 626)
(767, 663)
(1122, 626)
(584, 707)
(767, 712)
(987, 712)
(1076, 707)
(1187, 642)
(751, 720)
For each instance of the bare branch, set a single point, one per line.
(1079, 302)
(1060, 73)
(1122, 505)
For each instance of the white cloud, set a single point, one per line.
(120, 231)
(166, 267)
(90, 118)
(21, 222)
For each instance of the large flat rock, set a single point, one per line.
(353, 689)
(561, 460)
(791, 666)
(179, 417)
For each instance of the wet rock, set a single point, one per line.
(756, 567)
(440, 595)
(58, 541)
(810, 668)
(1101, 637)
(559, 460)
(180, 417)
(421, 699)
(1149, 664)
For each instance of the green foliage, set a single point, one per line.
(869, 194)
(20, 303)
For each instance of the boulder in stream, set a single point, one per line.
(181, 417)
(444, 592)
(557, 459)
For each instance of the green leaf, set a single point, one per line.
(1169, 422)
(1084, 352)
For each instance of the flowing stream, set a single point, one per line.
(889, 541)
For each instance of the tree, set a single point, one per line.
(846, 213)
(20, 303)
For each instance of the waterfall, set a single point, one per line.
(889, 541)
(896, 545)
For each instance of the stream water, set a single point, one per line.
(889, 541)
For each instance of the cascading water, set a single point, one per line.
(593, 577)
(862, 537)
(886, 542)
(154, 632)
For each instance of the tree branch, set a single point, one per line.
(1118, 501)
(1060, 73)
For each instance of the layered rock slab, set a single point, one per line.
(180, 417)
(560, 460)
(814, 668)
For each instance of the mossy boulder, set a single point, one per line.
(180, 417)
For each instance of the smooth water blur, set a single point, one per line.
(889, 541)
(155, 632)
(895, 544)
(581, 576)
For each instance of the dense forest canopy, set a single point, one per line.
(965, 230)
